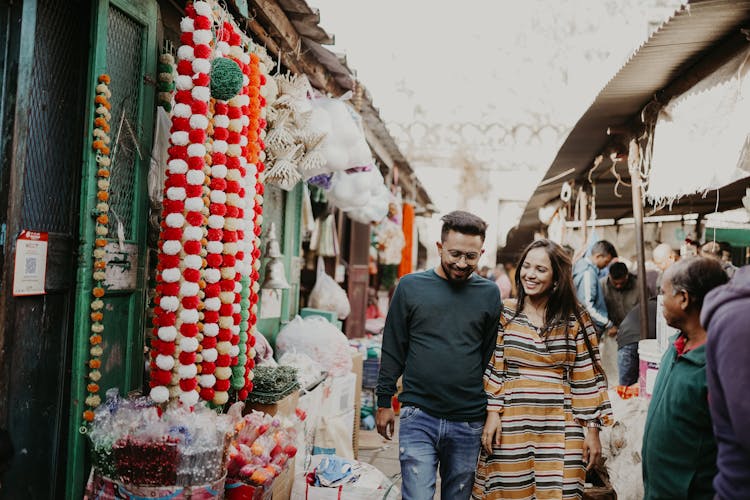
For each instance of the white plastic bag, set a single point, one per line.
(371, 485)
(328, 295)
(320, 340)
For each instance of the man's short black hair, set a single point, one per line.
(618, 270)
(464, 223)
(604, 247)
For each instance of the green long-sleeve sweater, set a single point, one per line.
(439, 335)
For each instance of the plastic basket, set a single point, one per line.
(370, 369)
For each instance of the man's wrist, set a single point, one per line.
(384, 401)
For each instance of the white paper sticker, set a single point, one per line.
(31, 263)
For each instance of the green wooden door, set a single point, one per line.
(124, 47)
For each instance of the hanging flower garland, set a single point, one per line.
(166, 85)
(101, 146)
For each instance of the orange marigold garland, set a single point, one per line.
(101, 146)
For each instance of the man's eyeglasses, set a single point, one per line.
(456, 256)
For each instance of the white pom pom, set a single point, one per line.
(182, 110)
(230, 248)
(206, 380)
(230, 224)
(199, 122)
(222, 47)
(202, 37)
(186, 53)
(220, 397)
(215, 221)
(184, 82)
(211, 275)
(256, 287)
(235, 125)
(233, 174)
(188, 344)
(189, 398)
(210, 355)
(169, 303)
(236, 308)
(223, 372)
(187, 371)
(159, 394)
(171, 247)
(201, 66)
(196, 177)
(245, 120)
(214, 247)
(219, 171)
(187, 25)
(236, 51)
(228, 273)
(171, 275)
(194, 204)
(234, 351)
(212, 304)
(201, 93)
(221, 121)
(191, 233)
(197, 150)
(175, 220)
(189, 316)
(202, 8)
(189, 289)
(165, 362)
(177, 166)
(167, 333)
(243, 140)
(218, 197)
(192, 261)
(220, 146)
(235, 329)
(179, 138)
(234, 150)
(224, 321)
(210, 330)
(176, 193)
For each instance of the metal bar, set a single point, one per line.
(634, 167)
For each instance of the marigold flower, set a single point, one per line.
(104, 78)
(102, 195)
(88, 416)
(98, 292)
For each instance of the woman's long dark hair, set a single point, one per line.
(562, 302)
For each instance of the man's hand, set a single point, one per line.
(492, 431)
(592, 447)
(612, 331)
(385, 419)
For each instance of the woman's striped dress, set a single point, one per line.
(543, 383)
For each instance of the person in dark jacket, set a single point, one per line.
(724, 317)
(628, 335)
(679, 448)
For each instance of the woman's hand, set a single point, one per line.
(592, 447)
(492, 431)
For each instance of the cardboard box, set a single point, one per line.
(334, 435)
(281, 489)
(357, 366)
(284, 407)
(338, 395)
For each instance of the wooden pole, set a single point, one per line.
(636, 188)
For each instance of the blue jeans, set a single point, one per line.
(426, 441)
(628, 363)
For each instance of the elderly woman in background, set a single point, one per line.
(547, 396)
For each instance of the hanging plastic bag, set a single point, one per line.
(328, 295)
(320, 340)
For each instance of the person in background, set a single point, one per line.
(439, 333)
(679, 448)
(620, 293)
(663, 256)
(628, 335)
(586, 281)
(713, 250)
(503, 282)
(724, 316)
(544, 385)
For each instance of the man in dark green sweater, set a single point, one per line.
(439, 334)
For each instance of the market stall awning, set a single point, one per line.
(692, 44)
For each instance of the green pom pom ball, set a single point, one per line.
(226, 79)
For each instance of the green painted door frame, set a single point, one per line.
(123, 31)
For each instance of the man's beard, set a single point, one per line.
(449, 274)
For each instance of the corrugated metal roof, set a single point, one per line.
(692, 33)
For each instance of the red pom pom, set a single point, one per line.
(213, 260)
(192, 275)
(243, 171)
(262, 123)
(208, 368)
(218, 209)
(235, 339)
(262, 79)
(262, 102)
(169, 261)
(186, 38)
(251, 340)
(189, 330)
(220, 108)
(176, 180)
(190, 303)
(185, 67)
(172, 289)
(187, 358)
(222, 385)
(198, 107)
(190, 10)
(192, 247)
(167, 319)
(233, 162)
(215, 234)
(209, 342)
(194, 191)
(210, 316)
(207, 393)
(171, 233)
(195, 163)
(173, 206)
(249, 387)
(254, 276)
(188, 384)
(254, 298)
(256, 230)
(211, 291)
(202, 23)
(201, 80)
(167, 348)
(230, 236)
(224, 335)
(223, 360)
(236, 317)
(161, 377)
(218, 184)
(227, 285)
(225, 310)
(261, 167)
(256, 253)
(178, 152)
(232, 211)
(194, 218)
(240, 255)
(260, 188)
(197, 136)
(182, 97)
(229, 261)
(235, 39)
(234, 138)
(234, 112)
(242, 394)
(250, 363)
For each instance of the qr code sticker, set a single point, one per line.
(31, 266)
